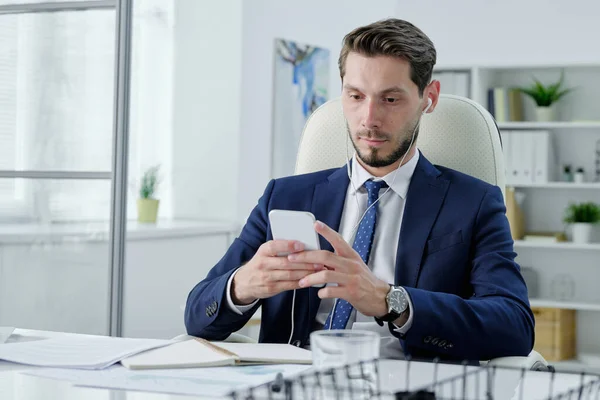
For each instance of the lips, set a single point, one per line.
(373, 141)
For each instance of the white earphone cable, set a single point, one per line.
(293, 306)
(353, 232)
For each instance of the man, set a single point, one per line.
(431, 267)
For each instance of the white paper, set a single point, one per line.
(86, 352)
(5, 333)
(208, 382)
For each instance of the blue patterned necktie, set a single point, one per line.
(363, 242)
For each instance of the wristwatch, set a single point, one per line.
(397, 304)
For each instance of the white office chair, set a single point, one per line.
(460, 134)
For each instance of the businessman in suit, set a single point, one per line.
(421, 254)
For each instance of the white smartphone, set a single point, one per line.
(295, 225)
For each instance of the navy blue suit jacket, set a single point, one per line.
(455, 258)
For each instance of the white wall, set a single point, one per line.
(465, 32)
(508, 32)
(206, 112)
(316, 22)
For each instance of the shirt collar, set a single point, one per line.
(398, 185)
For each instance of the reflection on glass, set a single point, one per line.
(10, 2)
(54, 269)
(56, 85)
(151, 137)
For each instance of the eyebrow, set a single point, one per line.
(393, 89)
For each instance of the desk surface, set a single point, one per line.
(508, 384)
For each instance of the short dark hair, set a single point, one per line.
(397, 38)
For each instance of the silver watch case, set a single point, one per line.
(397, 300)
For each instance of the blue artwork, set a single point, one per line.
(301, 85)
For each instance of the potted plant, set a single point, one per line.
(147, 204)
(545, 97)
(582, 216)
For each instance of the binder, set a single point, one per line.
(543, 157)
(516, 158)
(507, 152)
(526, 157)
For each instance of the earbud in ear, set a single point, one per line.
(429, 103)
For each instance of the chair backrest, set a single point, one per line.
(459, 134)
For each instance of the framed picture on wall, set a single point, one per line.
(300, 86)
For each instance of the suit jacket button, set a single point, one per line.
(427, 339)
(296, 343)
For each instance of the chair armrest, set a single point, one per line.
(534, 362)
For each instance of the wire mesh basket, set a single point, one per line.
(413, 380)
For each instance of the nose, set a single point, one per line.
(371, 116)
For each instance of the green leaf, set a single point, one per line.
(149, 183)
(582, 213)
(543, 95)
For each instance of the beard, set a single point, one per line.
(373, 158)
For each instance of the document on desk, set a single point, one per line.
(5, 333)
(206, 382)
(196, 353)
(85, 352)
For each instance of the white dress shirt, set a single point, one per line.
(382, 259)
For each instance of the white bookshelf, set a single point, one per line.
(567, 305)
(589, 362)
(591, 125)
(570, 246)
(559, 185)
(575, 135)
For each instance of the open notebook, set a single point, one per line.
(195, 353)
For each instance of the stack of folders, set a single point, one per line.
(529, 157)
(196, 353)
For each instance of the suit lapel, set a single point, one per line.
(327, 206)
(328, 202)
(424, 200)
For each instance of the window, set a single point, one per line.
(56, 105)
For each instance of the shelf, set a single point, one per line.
(587, 361)
(550, 125)
(556, 245)
(558, 185)
(565, 305)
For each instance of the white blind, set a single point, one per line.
(8, 91)
(57, 80)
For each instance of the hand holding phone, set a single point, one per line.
(269, 273)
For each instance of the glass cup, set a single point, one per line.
(338, 348)
(344, 361)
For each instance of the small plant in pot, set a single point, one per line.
(147, 203)
(545, 97)
(582, 217)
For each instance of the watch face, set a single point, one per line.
(397, 301)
